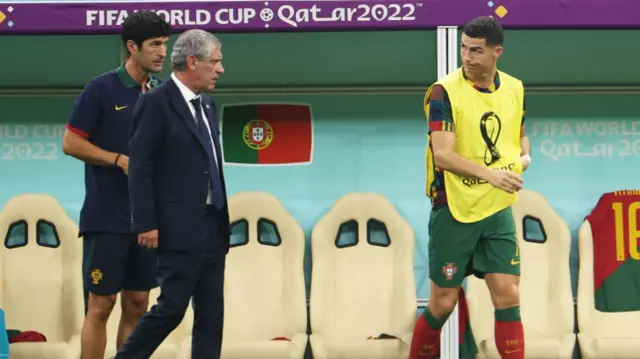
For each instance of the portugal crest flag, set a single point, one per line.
(267, 134)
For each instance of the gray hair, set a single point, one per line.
(198, 43)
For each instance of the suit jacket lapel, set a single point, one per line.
(179, 103)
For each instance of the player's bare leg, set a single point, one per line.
(134, 304)
(505, 295)
(94, 329)
(426, 334)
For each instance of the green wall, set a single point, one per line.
(52, 109)
(372, 58)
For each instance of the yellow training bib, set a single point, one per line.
(487, 129)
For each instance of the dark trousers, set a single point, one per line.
(183, 274)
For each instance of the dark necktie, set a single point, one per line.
(216, 181)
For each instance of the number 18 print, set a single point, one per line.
(626, 228)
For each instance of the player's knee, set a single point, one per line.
(101, 306)
(443, 306)
(505, 295)
(134, 304)
(443, 301)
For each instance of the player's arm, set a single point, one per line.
(443, 139)
(84, 118)
(144, 141)
(525, 145)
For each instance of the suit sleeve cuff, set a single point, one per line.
(142, 224)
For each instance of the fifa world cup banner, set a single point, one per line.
(78, 17)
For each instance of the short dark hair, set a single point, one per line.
(144, 25)
(485, 27)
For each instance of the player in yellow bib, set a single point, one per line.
(477, 151)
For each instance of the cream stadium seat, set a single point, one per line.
(545, 285)
(41, 276)
(607, 335)
(176, 346)
(265, 300)
(362, 282)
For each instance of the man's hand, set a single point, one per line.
(505, 180)
(148, 239)
(123, 163)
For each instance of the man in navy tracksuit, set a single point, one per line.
(98, 134)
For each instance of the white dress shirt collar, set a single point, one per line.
(184, 90)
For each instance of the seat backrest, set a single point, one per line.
(264, 280)
(546, 300)
(610, 218)
(362, 281)
(41, 267)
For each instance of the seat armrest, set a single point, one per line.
(318, 347)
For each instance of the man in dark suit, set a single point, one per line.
(178, 199)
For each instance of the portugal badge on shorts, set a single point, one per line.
(449, 270)
(96, 276)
